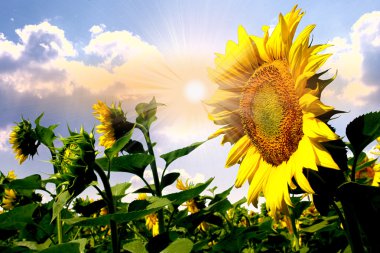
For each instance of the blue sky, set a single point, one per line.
(59, 57)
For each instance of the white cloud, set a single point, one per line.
(118, 47)
(4, 137)
(349, 57)
(96, 29)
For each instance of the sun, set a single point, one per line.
(195, 91)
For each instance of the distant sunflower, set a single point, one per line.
(114, 124)
(268, 102)
(24, 141)
(151, 222)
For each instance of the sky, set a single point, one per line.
(60, 57)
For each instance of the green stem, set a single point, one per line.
(111, 207)
(59, 216)
(156, 179)
(295, 232)
(354, 168)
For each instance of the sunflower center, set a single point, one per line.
(270, 112)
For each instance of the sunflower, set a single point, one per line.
(268, 103)
(24, 141)
(9, 199)
(114, 124)
(151, 222)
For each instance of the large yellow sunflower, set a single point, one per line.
(113, 121)
(268, 102)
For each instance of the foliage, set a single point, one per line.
(190, 220)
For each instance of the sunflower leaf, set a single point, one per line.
(45, 134)
(168, 179)
(132, 163)
(180, 245)
(180, 197)
(147, 113)
(173, 155)
(362, 131)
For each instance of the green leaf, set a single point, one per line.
(135, 246)
(321, 225)
(29, 183)
(363, 130)
(118, 190)
(182, 245)
(118, 217)
(72, 247)
(60, 202)
(147, 113)
(173, 155)
(146, 189)
(45, 135)
(169, 179)
(221, 196)
(118, 145)
(180, 197)
(18, 217)
(132, 163)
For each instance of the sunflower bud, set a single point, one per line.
(75, 160)
(24, 140)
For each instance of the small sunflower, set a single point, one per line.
(114, 124)
(151, 222)
(23, 140)
(9, 199)
(268, 103)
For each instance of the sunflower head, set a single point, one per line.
(114, 124)
(9, 199)
(183, 186)
(23, 140)
(268, 104)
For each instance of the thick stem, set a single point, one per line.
(294, 227)
(156, 179)
(354, 168)
(59, 216)
(111, 207)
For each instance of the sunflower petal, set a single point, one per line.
(238, 151)
(318, 130)
(311, 104)
(248, 166)
(323, 157)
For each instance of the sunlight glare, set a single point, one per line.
(195, 91)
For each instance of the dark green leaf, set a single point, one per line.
(135, 246)
(45, 135)
(173, 155)
(321, 225)
(363, 130)
(147, 113)
(134, 147)
(180, 197)
(138, 205)
(169, 179)
(72, 247)
(31, 182)
(182, 245)
(132, 163)
(146, 189)
(118, 217)
(221, 196)
(118, 145)
(18, 217)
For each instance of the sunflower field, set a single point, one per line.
(321, 193)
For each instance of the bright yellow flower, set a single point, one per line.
(114, 124)
(151, 222)
(142, 196)
(9, 199)
(23, 140)
(268, 103)
(11, 175)
(183, 186)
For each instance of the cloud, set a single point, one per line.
(4, 137)
(357, 60)
(96, 29)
